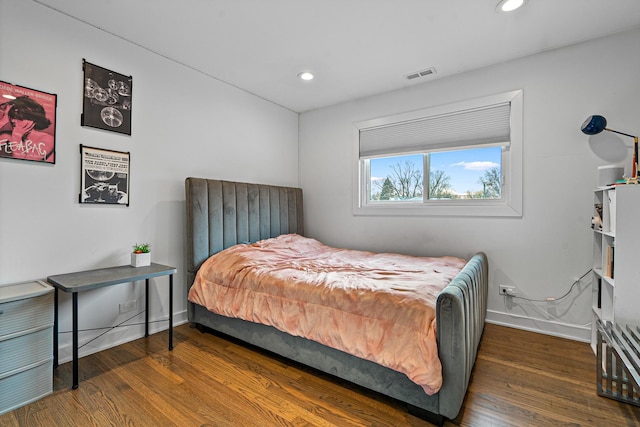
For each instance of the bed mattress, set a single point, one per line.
(379, 307)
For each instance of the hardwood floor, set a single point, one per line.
(520, 379)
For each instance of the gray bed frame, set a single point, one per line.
(221, 214)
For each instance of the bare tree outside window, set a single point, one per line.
(404, 182)
(440, 185)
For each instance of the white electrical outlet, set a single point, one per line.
(128, 306)
(507, 290)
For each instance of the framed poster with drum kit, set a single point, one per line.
(106, 99)
(104, 178)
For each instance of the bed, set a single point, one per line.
(225, 214)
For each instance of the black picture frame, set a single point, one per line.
(106, 99)
(27, 124)
(104, 176)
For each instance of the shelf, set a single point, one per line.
(602, 190)
(608, 280)
(606, 233)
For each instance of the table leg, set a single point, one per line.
(171, 312)
(146, 307)
(75, 340)
(55, 329)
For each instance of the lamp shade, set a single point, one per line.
(594, 125)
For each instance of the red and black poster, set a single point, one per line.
(27, 123)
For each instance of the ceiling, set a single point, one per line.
(356, 48)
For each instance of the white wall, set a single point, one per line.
(541, 253)
(187, 124)
(184, 124)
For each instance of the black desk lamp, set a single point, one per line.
(596, 124)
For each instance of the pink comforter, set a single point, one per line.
(379, 307)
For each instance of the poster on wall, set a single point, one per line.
(107, 99)
(27, 123)
(104, 176)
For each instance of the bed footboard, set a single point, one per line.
(461, 310)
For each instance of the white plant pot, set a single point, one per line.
(141, 260)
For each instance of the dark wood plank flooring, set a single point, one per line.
(520, 379)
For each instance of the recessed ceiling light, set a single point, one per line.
(306, 75)
(509, 5)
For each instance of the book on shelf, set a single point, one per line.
(608, 261)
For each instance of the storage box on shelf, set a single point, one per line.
(26, 343)
(616, 257)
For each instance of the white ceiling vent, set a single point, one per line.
(421, 73)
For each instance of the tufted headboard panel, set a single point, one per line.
(221, 214)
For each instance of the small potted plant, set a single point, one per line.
(141, 255)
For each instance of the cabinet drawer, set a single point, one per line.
(25, 314)
(25, 350)
(26, 386)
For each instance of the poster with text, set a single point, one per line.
(107, 99)
(105, 176)
(27, 123)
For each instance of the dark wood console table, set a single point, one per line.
(85, 280)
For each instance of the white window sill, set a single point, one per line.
(476, 208)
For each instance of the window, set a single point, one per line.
(461, 159)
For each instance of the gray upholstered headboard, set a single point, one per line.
(221, 214)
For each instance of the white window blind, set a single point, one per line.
(484, 126)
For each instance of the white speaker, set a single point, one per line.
(609, 174)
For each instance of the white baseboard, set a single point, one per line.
(542, 326)
(115, 337)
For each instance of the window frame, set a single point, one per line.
(510, 204)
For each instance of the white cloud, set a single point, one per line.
(477, 166)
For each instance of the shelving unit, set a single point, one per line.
(616, 257)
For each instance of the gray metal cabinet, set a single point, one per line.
(26, 343)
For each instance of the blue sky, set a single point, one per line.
(465, 167)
